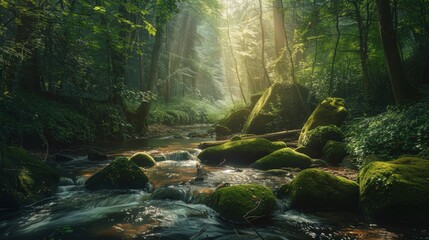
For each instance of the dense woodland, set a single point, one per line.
(81, 73)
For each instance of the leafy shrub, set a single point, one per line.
(30, 119)
(186, 110)
(109, 120)
(397, 131)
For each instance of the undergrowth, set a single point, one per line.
(186, 110)
(397, 131)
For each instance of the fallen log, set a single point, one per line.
(290, 135)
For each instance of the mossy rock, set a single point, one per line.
(318, 163)
(316, 189)
(242, 152)
(331, 111)
(222, 131)
(24, 179)
(143, 160)
(334, 152)
(235, 120)
(235, 138)
(396, 190)
(241, 202)
(120, 174)
(279, 108)
(317, 138)
(307, 151)
(285, 157)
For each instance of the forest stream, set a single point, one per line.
(76, 213)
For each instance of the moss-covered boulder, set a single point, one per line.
(143, 160)
(317, 138)
(222, 131)
(285, 157)
(396, 190)
(120, 174)
(307, 151)
(331, 111)
(316, 189)
(24, 179)
(242, 152)
(241, 202)
(279, 108)
(334, 152)
(235, 120)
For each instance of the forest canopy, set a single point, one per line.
(181, 61)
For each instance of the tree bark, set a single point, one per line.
(30, 78)
(401, 89)
(266, 75)
(337, 27)
(234, 58)
(144, 108)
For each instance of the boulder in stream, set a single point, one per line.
(396, 190)
(283, 158)
(279, 108)
(143, 160)
(317, 189)
(317, 138)
(242, 152)
(120, 174)
(331, 111)
(24, 179)
(334, 152)
(243, 203)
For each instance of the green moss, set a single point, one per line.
(286, 157)
(235, 138)
(222, 131)
(120, 174)
(307, 151)
(279, 108)
(143, 160)
(316, 189)
(396, 190)
(240, 201)
(240, 152)
(235, 120)
(317, 138)
(331, 111)
(24, 179)
(334, 152)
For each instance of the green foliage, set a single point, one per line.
(32, 120)
(185, 110)
(29, 119)
(397, 131)
(24, 179)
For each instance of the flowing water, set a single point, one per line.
(167, 209)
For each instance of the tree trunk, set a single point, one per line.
(401, 89)
(337, 27)
(261, 22)
(30, 77)
(234, 58)
(363, 47)
(144, 108)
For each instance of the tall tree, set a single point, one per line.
(400, 86)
